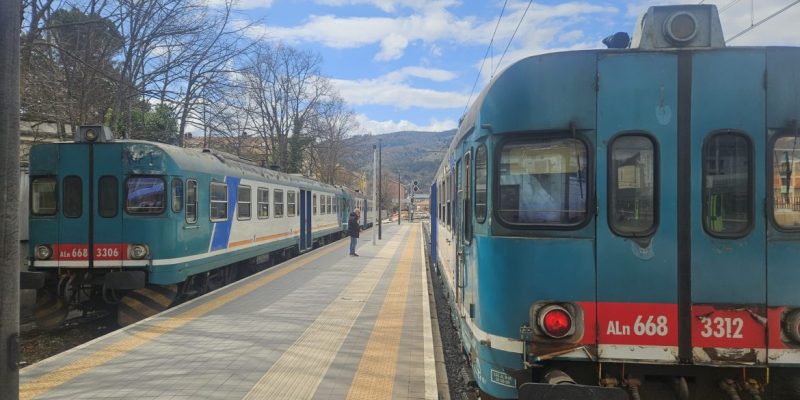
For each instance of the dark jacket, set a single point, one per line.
(352, 225)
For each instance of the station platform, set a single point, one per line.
(323, 325)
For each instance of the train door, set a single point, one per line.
(459, 231)
(637, 267)
(108, 245)
(727, 238)
(73, 178)
(306, 235)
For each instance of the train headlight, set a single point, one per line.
(138, 251)
(680, 28)
(791, 325)
(43, 252)
(556, 322)
(91, 135)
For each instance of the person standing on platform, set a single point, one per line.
(353, 229)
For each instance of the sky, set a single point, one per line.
(412, 64)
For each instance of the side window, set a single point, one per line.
(145, 195)
(291, 203)
(480, 184)
(73, 196)
(191, 201)
(244, 202)
(177, 195)
(218, 210)
(107, 196)
(632, 180)
(543, 182)
(44, 195)
(727, 185)
(278, 201)
(786, 182)
(314, 204)
(263, 203)
(328, 204)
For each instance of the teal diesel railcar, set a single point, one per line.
(139, 225)
(625, 223)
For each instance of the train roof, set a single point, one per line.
(216, 162)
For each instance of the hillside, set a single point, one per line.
(415, 155)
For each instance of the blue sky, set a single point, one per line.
(410, 64)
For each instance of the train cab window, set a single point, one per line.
(314, 204)
(786, 182)
(263, 203)
(73, 196)
(632, 205)
(727, 185)
(44, 196)
(191, 201)
(543, 182)
(107, 196)
(291, 203)
(335, 205)
(480, 184)
(277, 200)
(244, 202)
(218, 210)
(145, 195)
(177, 195)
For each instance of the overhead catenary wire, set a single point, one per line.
(488, 49)
(512, 36)
(773, 15)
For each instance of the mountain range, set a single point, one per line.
(414, 155)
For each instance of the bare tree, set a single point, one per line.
(285, 86)
(331, 124)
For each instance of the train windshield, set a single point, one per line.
(44, 200)
(543, 182)
(145, 195)
(786, 182)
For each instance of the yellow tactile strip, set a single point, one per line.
(300, 369)
(52, 380)
(375, 376)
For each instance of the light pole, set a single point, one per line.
(9, 192)
(399, 202)
(380, 183)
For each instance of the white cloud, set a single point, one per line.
(242, 4)
(386, 92)
(392, 47)
(430, 23)
(390, 6)
(433, 74)
(369, 126)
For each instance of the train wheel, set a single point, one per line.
(139, 304)
(51, 310)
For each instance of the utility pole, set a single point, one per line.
(374, 185)
(9, 199)
(399, 202)
(380, 183)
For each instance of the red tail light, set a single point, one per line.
(556, 322)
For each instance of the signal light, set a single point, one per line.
(681, 27)
(556, 322)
